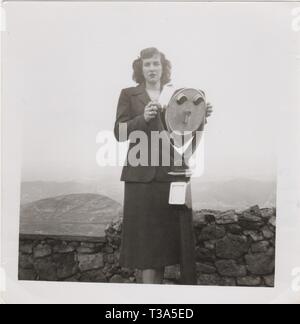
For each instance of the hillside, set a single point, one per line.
(75, 214)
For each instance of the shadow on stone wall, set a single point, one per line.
(232, 249)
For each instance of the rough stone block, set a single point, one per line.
(212, 232)
(204, 255)
(272, 221)
(109, 258)
(250, 221)
(267, 213)
(232, 247)
(203, 268)
(255, 210)
(268, 234)
(116, 279)
(66, 265)
(90, 261)
(25, 261)
(228, 217)
(269, 281)
(228, 282)
(26, 247)
(41, 251)
(261, 263)
(234, 229)
(249, 281)
(209, 280)
(210, 245)
(229, 268)
(93, 276)
(256, 236)
(108, 249)
(63, 247)
(260, 247)
(46, 269)
(26, 274)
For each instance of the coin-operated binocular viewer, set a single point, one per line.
(184, 119)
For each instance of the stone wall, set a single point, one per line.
(233, 249)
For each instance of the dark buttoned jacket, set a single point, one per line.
(130, 110)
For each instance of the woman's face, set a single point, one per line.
(152, 69)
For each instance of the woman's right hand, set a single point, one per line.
(151, 111)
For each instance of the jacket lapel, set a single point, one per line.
(142, 95)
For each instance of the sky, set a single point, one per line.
(67, 64)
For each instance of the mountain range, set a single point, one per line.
(221, 195)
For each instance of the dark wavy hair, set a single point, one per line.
(147, 53)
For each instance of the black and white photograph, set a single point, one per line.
(149, 140)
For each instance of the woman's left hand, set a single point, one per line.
(209, 109)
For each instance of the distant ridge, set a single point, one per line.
(238, 193)
(75, 214)
(36, 190)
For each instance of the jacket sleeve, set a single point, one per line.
(124, 116)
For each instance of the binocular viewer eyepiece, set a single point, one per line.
(182, 98)
(186, 111)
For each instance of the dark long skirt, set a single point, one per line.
(152, 229)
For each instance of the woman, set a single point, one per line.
(151, 227)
